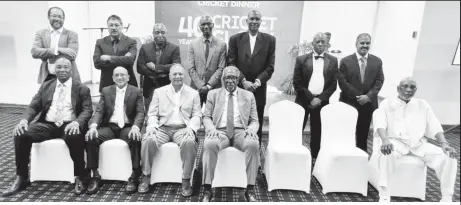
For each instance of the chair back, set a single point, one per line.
(338, 124)
(285, 123)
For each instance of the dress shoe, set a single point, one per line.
(186, 189)
(132, 185)
(250, 196)
(144, 185)
(94, 184)
(20, 183)
(79, 186)
(207, 196)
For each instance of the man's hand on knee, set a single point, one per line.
(21, 128)
(251, 134)
(150, 131)
(212, 134)
(387, 147)
(450, 151)
(91, 134)
(72, 128)
(135, 134)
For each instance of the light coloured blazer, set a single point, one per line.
(41, 50)
(214, 109)
(202, 72)
(162, 106)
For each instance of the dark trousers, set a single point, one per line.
(50, 77)
(363, 125)
(42, 131)
(113, 131)
(316, 127)
(260, 110)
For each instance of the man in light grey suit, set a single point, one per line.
(207, 59)
(230, 119)
(174, 115)
(53, 43)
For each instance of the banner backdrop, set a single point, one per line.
(279, 18)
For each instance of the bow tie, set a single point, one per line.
(317, 57)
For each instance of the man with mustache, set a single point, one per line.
(253, 53)
(120, 115)
(404, 123)
(55, 42)
(314, 80)
(113, 51)
(207, 59)
(230, 119)
(65, 107)
(174, 115)
(155, 60)
(360, 78)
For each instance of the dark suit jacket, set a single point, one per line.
(81, 102)
(302, 75)
(134, 106)
(259, 65)
(104, 47)
(170, 55)
(41, 50)
(349, 80)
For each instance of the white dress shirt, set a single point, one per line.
(237, 121)
(68, 113)
(119, 105)
(176, 118)
(252, 42)
(407, 124)
(317, 80)
(55, 35)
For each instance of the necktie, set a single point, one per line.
(317, 57)
(207, 49)
(363, 66)
(115, 45)
(230, 117)
(60, 106)
(120, 113)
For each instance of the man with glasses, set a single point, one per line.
(253, 53)
(155, 60)
(207, 59)
(55, 42)
(119, 115)
(113, 51)
(360, 78)
(404, 123)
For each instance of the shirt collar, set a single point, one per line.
(67, 84)
(121, 89)
(315, 54)
(209, 39)
(119, 37)
(172, 88)
(157, 47)
(59, 30)
(253, 36)
(234, 94)
(359, 56)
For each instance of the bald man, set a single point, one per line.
(65, 107)
(207, 59)
(174, 115)
(404, 123)
(119, 115)
(155, 60)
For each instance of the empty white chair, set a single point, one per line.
(340, 165)
(167, 165)
(230, 169)
(50, 161)
(288, 162)
(409, 180)
(115, 160)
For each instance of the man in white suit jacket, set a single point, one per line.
(54, 42)
(207, 59)
(174, 115)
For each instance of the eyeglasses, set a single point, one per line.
(408, 86)
(230, 78)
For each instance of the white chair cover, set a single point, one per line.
(288, 162)
(167, 165)
(230, 169)
(340, 165)
(50, 161)
(115, 160)
(409, 180)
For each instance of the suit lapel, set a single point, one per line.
(356, 67)
(201, 50)
(63, 38)
(210, 53)
(309, 65)
(367, 70)
(241, 103)
(47, 38)
(258, 44)
(127, 96)
(183, 95)
(246, 43)
(74, 95)
(326, 64)
(220, 103)
(169, 94)
(49, 97)
(112, 97)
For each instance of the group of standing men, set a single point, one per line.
(230, 84)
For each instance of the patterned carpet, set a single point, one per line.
(114, 190)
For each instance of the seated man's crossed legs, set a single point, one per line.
(110, 132)
(241, 141)
(188, 151)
